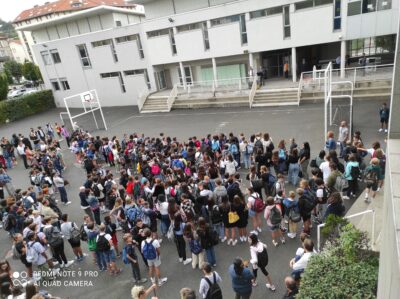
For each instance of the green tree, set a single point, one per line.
(14, 68)
(31, 72)
(3, 87)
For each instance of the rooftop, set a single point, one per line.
(68, 5)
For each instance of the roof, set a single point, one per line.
(67, 6)
(77, 16)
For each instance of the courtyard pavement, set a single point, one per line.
(305, 123)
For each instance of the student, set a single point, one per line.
(372, 177)
(351, 174)
(300, 265)
(384, 117)
(178, 228)
(139, 292)
(71, 232)
(242, 279)
(205, 234)
(259, 260)
(210, 278)
(132, 258)
(105, 246)
(151, 252)
(273, 215)
(292, 211)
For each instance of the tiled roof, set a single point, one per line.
(68, 5)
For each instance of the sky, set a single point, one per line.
(10, 9)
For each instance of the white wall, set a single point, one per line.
(225, 40)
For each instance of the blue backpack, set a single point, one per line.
(249, 149)
(149, 251)
(195, 246)
(233, 148)
(132, 214)
(215, 145)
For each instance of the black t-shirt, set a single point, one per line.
(305, 154)
(130, 251)
(293, 159)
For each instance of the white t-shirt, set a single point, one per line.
(326, 171)
(320, 193)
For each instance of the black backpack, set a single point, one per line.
(102, 244)
(214, 291)
(258, 145)
(262, 258)
(355, 172)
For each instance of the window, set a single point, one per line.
(126, 38)
(115, 75)
(311, 3)
(322, 2)
(354, 8)
(146, 76)
(84, 55)
(64, 84)
(118, 23)
(337, 19)
(140, 47)
(274, 10)
(134, 72)
(101, 43)
(56, 56)
(371, 45)
(384, 4)
(286, 22)
(156, 33)
(258, 14)
(46, 57)
(55, 84)
(206, 40)
(172, 41)
(225, 20)
(368, 6)
(243, 31)
(114, 52)
(188, 27)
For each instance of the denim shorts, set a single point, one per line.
(110, 256)
(274, 228)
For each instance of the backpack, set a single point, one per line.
(262, 258)
(16, 255)
(294, 214)
(216, 216)
(132, 214)
(271, 146)
(9, 221)
(195, 246)
(92, 244)
(137, 190)
(215, 145)
(371, 177)
(214, 291)
(155, 169)
(75, 233)
(26, 202)
(125, 256)
(53, 236)
(233, 148)
(149, 251)
(275, 216)
(102, 243)
(258, 205)
(83, 234)
(325, 194)
(96, 190)
(341, 183)
(355, 172)
(249, 149)
(259, 146)
(281, 154)
(31, 253)
(308, 205)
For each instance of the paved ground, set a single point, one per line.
(305, 123)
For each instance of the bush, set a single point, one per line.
(24, 106)
(346, 268)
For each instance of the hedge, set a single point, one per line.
(24, 106)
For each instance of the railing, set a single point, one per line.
(142, 98)
(214, 86)
(349, 217)
(252, 92)
(172, 96)
(299, 89)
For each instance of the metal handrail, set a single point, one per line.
(142, 98)
(349, 217)
(252, 92)
(352, 68)
(172, 96)
(300, 89)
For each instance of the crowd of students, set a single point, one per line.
(187, 191)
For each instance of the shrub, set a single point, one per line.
(31, 104)
(346, 268)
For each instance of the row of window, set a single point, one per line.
(51, 56)
(311, 3)
(126, 73)
(366, 6)
(60, 83)
(371, 46)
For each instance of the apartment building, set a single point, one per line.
(123, 54)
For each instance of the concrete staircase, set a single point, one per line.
(212, 102)
(155, 104)
(275, 97)
(380, 89)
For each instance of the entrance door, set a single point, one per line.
(188, 76)
(161, 80)
(274, 64)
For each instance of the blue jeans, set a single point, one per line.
(8, 162)
(293, 175)
(246, 160)
(101, 260)
(164, 224)
(63, 194)
(341, 149)
(211, 256)
(219, 228)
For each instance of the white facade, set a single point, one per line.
(204, 39)
(18, 51)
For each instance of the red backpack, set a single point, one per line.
(258, 205)
(155, 169)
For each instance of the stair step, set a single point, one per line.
(276, 100)
(275, 104)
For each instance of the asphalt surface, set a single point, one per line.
(305, 123)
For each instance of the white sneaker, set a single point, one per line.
(366, 195)
(254, 284)
(68, 264)
(61, 266)
(271, 287)
(259, 229)
(255, 232)
(162, 281)
(223, 240)
(67, 203)
(385, 130)
(230, 241)
(187, 261)
(379, 189)
(346, 197)
(380, 130)
(234, 242)
(180, 260)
